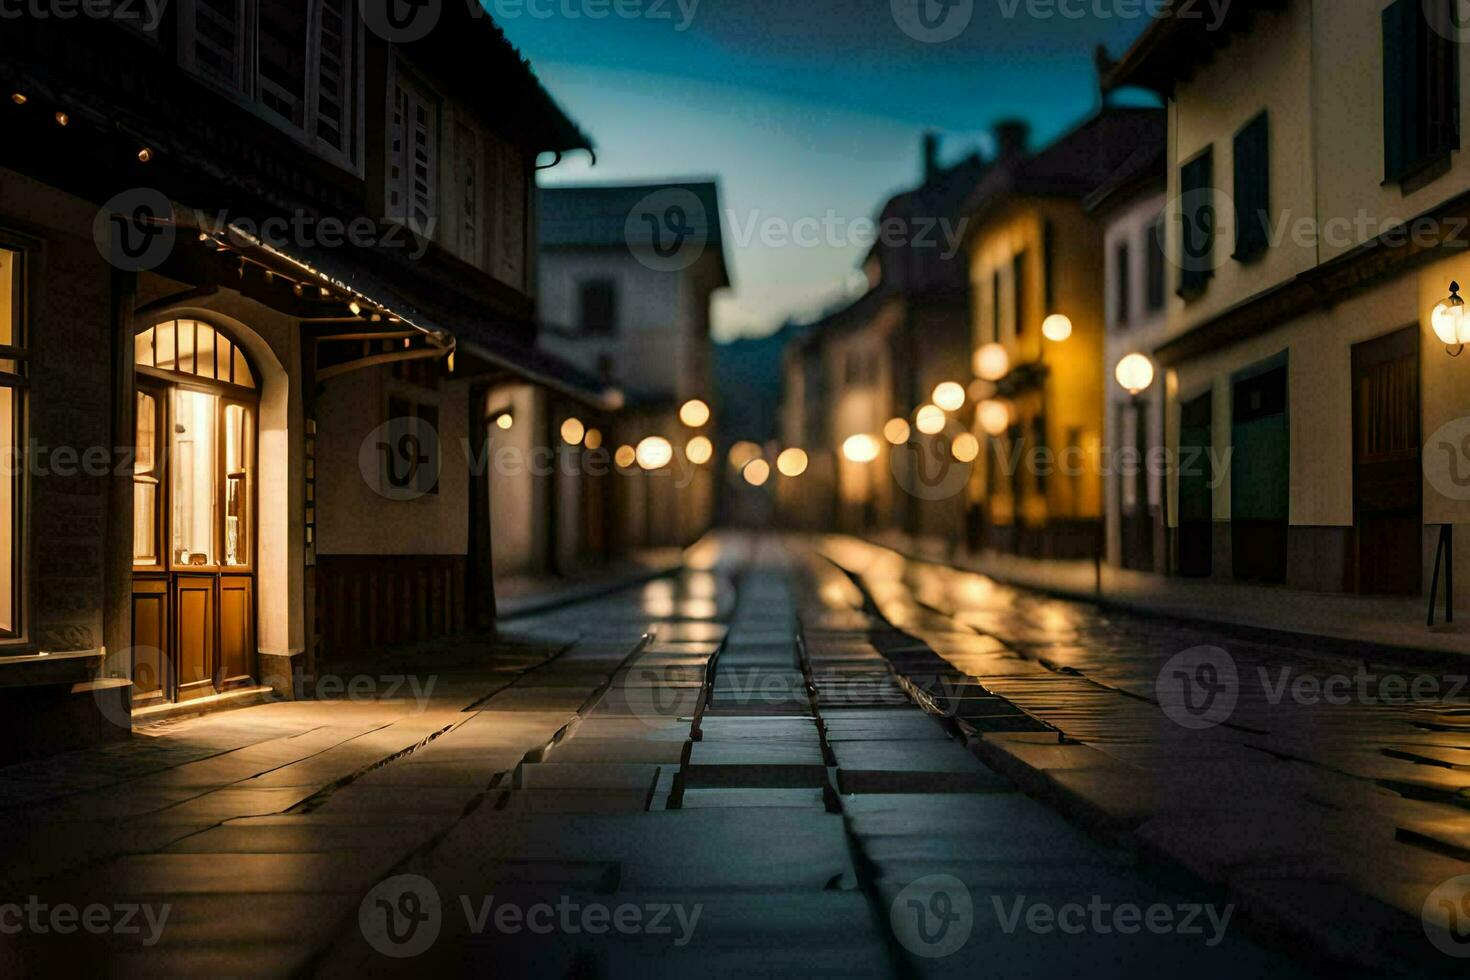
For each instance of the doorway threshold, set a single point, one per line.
(243, 697)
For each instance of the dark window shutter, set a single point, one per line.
(1197, 218)
(1048, 266)
(1122, 259)
(1018, 287)
(1400, 87)
(1253, 189)
(1156, 283)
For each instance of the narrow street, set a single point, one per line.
(730, 772)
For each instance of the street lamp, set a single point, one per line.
(861, 448)
(929, 419)
(965, 447)
(992, 362)
(654, 453)
(995, 416)
(950, 396)
(1450, 324)
(694, 413)
(756, 472)
(1056, 328)
(896, 431)
(699, 450)
(1135, 373)
(791, 462)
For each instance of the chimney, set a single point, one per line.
(931, 156)
(1012, 138)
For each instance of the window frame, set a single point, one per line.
(1020, 308)
(18, 381)
(1408, 159)
(247, 91)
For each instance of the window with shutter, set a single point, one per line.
(468, 181)
(1121, 282)
(512, 223)
(1018, 293)
(1253, 189)
(1196, 224)
(413, 158)
(335, 78)
(214, 40)
(1156, 284)
(1421, 85)
(281, 59)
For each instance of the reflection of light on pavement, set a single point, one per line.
(701, 585)
(658, 598)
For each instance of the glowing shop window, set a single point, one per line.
(237, 485)
(145, 483)
(8, 458)
(193, 477)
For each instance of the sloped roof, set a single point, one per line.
(607, 215)
(1171, 48)
(1078, 163)
(468, 46)
(1145, 167)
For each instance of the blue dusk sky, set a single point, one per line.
(800, 109)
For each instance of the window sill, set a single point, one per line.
(1419, 176)
(47, 669)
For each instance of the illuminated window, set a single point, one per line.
(193, 472)
(12, 443)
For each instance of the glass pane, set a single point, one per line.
(9, 274)
(194, 477)
(237, 485)
(223, 350)
(242, 371)
(204, 348)
(10, 471)
(145, 483)
(186, 346)
(163, 346)
(143, 348)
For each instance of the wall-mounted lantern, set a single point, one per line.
(1450, 324)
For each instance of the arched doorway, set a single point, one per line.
(194, 506)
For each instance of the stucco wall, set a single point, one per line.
(352, 517)
(1270, 70)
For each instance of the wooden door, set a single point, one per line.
(1196, 498)
(1388, 513)
(1260, 476)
